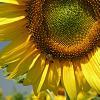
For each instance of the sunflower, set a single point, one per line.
(53, 43)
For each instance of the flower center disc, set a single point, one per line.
(63, 28)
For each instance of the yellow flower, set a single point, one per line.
(8, 98)
(53, 43)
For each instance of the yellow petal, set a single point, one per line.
(15, 2)
(10, 1)
(58, 66)
(20, 68)
(43, 78)
(13, 25)
(14, 32)
(59, 97)
(96, 61)
(11, 14)
(10, 20)
(11, 66)
(32, 76)
(37, 86)
(9, 35)
(17, 49)
(11, 11)
(91, 71)
(53, 76)
(13, 61)
(82, 84)
(69, 80)
(9, 56)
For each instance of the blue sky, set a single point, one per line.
(10, 86)
(2, 44)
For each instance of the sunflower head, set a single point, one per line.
(64, 29)
(54, 44)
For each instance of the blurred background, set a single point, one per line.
(11, 87)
